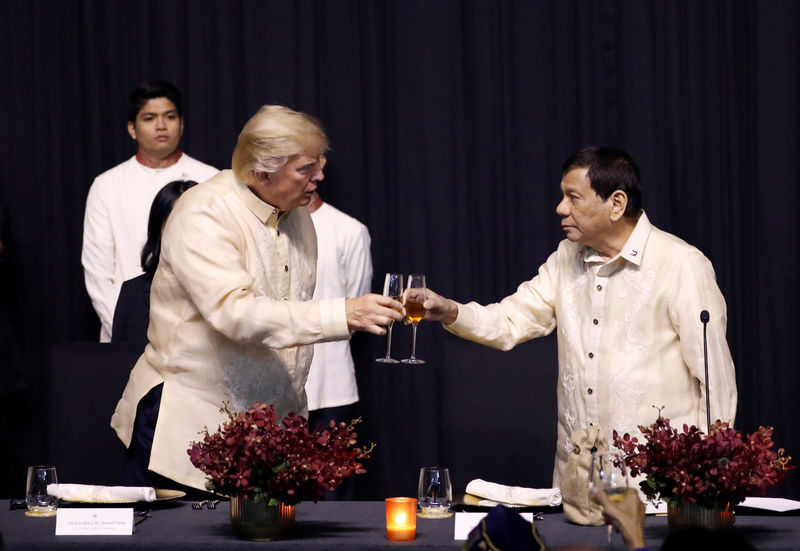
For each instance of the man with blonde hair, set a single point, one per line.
(231, 316)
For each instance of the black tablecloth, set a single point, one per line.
(346, 525)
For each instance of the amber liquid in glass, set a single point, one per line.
(616, 494)
(414, 310)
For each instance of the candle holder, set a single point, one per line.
(401, 518)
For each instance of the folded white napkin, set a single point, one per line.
(514, 495)
(101, 494)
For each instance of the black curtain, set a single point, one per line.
(449, 121)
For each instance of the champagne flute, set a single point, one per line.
(614, 483)
(413, 300)
(392, 287)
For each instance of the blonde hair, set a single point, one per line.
(271, 136)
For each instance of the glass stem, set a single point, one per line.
(389, 340)
(414, 341)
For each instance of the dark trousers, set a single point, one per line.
(136, 472)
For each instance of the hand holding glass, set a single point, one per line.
(392, 287)
(602, 475)
(413, 300)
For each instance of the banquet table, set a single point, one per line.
(342, 524)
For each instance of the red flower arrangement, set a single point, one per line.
(711, 470)
(253, 454)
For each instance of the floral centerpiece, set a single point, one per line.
(253, 455)
(715, 471)
(267, 465)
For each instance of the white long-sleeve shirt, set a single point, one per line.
(115, 226)
(629, 334)
(344, 269)
(231, 319)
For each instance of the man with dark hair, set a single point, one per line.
(117, 208)
(626, 298)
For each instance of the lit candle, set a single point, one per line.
(401, 518)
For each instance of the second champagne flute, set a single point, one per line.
(413, 300)
(604, 474)
(392, 287)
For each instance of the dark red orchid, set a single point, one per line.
(253, 454)
(715, 469)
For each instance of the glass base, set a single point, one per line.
(435, 512)
(41, 513)
(387, 360)
(413, 361)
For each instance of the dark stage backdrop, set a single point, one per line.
(449, 121)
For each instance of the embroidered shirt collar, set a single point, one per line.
(263, 210)
(633, 248)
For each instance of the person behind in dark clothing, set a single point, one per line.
(132, 314)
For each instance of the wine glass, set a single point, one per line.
(392, 287)
(608, 473)
(413, 299)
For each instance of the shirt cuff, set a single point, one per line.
(333, 319)
(464, 320)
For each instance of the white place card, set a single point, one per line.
(94, 522)
(465, 522)
(777, 504)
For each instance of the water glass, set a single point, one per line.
(39, 502)
(435, 493)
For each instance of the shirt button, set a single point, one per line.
(591, 355)
(590, 391)
(286, 268)
(279, 232)
(595, 322)
(599, 287)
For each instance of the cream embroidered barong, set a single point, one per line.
(230, 319)
(629, 334)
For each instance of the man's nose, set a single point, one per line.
(161, 122)
(562, 209)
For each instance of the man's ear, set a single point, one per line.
(260, 176)
(132, 130)
(619, 202)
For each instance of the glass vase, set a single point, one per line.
(256, 521)
(691, 515)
